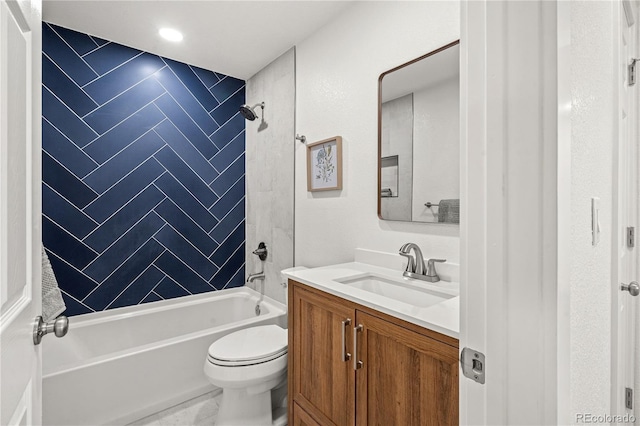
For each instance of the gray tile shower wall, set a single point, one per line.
(143, 174)
(270, 180)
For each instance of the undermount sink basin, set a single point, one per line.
(395, 290)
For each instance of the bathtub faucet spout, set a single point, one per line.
(253, 277)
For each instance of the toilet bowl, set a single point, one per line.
(250, 366)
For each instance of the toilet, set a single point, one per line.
(250, 366)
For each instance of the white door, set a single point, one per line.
(509, 210)
(20, 206)
(627, 257)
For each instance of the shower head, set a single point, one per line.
(249, 112)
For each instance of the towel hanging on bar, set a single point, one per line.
(52, 303)
(449, 211)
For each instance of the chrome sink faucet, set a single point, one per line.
(415, 264)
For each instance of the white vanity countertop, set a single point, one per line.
(442, 317)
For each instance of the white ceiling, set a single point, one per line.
(236, 38)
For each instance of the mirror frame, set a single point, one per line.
(379, 198)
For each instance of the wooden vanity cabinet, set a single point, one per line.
(408, 375)
(320, 381)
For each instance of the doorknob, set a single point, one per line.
(59, 327)
(633, 288)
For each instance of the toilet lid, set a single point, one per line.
(249, 346)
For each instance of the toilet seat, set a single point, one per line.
(250, 346)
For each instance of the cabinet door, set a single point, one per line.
(406, 377)
(301, 418)
(323, 381)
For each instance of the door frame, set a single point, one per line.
(625, 208)
(509, 239)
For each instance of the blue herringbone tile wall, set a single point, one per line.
(143, 174)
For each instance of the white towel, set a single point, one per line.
(52, 303)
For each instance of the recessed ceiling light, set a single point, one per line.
(170, 34)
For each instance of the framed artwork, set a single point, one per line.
(324, 165)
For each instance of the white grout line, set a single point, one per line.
(70, 234)
(174, 281)
(227, 98)
(69, 77)
(77, 301)
(191, 118)
(225, 240)
(226, 168)
(187, 139)
(227, 146)
(191, 93)
(226, 192)
(234, 275)
(122, 207)
(180, 208)
(113, 69)
(74, 144)
(74, 268)
(120, 266)
(72, 174)
(103, 193)
(185, 264)
(74, 206)
(131, 143)
(118, 239)
(229, 143)
(71, 110)
(222, 125)
(229, 258)
(127, 118)
(190, 168)
(153, 291)
(187, 240)
(155, 285)
(203, 83)
(190, 193)
(229, 212)
(219, 81)
(73, 50)
(94, 49)
(120, 94)
(134, 280)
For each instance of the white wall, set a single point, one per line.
(337, 72)
(592, 122)
(436, 147)
(269, 173)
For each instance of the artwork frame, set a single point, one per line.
(324, 165)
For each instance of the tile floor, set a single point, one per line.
(199, 411)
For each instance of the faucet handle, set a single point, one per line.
(431, 267)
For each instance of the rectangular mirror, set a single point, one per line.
(419, 139)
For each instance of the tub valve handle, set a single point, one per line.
(261, 251)
(59, 327)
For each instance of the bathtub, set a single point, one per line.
(117, 366)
